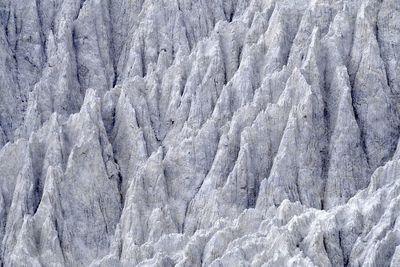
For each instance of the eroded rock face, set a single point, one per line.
(199, 133)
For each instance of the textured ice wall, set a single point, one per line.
(199, 132)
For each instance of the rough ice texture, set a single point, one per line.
(199, 133)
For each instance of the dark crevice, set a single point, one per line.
(119, 184)
(239, 56)
(59, 236)
(231, 16)
(115, 78)
(41, 33)
(37, 195)
(358, 120)
(184, 218)
(325, 153)
(76, 48)
(143, 58)
(81, 4)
